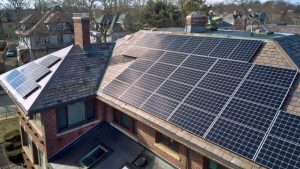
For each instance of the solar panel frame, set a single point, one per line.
(207, 46)
(187, 76)
(39, 73)
(26, 88)
(12, 75)
(245, 50)
(225, 48)
(235, 137)
(177, 43)
(198, 62)
(191, 119)
(141, 65)
(174, 90)
(191, 44)
(149, 82)
(263, 94)
(49, 61)
(173, 58)
(129, 76)
(29, 68)
(135, 96)
(153, 54)
(161, 70)
(116, 88)
(166, 41)
(231, 68)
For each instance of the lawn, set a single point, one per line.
(8, 125)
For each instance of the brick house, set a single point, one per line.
(67, 121)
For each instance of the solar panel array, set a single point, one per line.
(230, 103)
(233, 49)
(24, 81)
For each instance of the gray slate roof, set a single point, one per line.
(290, 45)
(78, 76)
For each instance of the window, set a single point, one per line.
(67, 38)
(125, 121)
(213, 165)
(37, 119)
(170, 143)
(53, 39)
(25, 138)
(75, 114)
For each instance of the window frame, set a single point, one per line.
(170, 142)
(119, 115)
(70, 126)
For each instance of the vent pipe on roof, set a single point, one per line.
(82, 29)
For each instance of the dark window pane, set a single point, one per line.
(116, 116)
(213, 165)
(168, 142)
(61, 118)
(125, 121)
(90, 109)
(135, 126)
(76, 113)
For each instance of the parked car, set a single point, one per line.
(11, 52)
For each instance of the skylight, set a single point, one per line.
(92, 157)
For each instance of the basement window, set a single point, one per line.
(92, 157)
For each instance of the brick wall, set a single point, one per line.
(55, 142)
(271, 56)
(196, 160)
(82, 31)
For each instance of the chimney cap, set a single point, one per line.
(81, 16)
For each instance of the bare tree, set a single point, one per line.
(244, 4)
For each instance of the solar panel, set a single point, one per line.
(29, 68)
(177, 43)
(12, 75)
(245, 50)
(152, 54)
(174, 90)
(149, 82)
(231, 68)
(161, 70)
(187, 76)
(39, 73)
(135, 51)
(206, 100)
(277, 153)
(135, 96)
(166, 41)
(198, 62)
(261, 93)
(192, 120)
(26, 88)
(155, 40)
(219, 83)
(141, 65)
(129, 76)
(225, 48)
(15, 83)
(49, 61)
(160, 106)
(191, 44)
(116, 88)
(287, 126)
(249, 114)
(207, 46)
(272, 75)
(173, 58)
(236, 138)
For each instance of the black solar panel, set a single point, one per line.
(287, 126)
(135, 96)
(276, 153)
(187, 76)
(152, 54)
(207, 46)
(192, 120)
(129, 76)
(206, 100)
(116, 88)
(261, 93)
(219, 83)
(177, 43)
(160, 106)
(225, 48)
(173, 58)
(49, 61)
(149, 82)
(161, 70)
(236, 138)
(249, 114)
(198, 62)
(141, 65)
(166, 41)
(26, 88)
(231, 68)
(191, 44)
(174, 90)
(272, 75)
(12, 75)
(135, 51)
(245, 50)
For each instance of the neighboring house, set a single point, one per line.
(44, 32)
(115, 25)
(148, 108)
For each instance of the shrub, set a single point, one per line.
(12, 136)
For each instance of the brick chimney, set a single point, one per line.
(82, 29)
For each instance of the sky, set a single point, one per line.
(215, 1)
